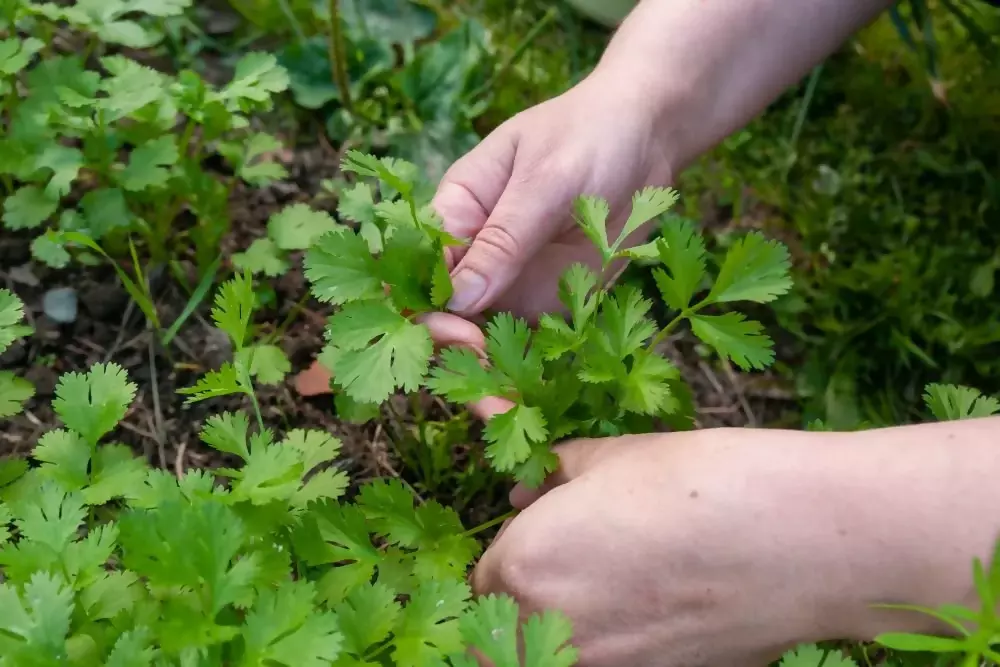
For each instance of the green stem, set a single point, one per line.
(338, 56)
(519, 52)
(667, 330)
(489, 524)
(256, 410)
(300, 34)
(292, 315)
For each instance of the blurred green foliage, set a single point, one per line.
(883, 177)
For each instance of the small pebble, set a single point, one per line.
(61, 305)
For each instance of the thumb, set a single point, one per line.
(576, 457)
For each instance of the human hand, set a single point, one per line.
(727, 547)
(512, 195)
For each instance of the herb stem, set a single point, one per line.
(491, 523)
(519, 52)
(338, 56)
(256, 410)
(291, 317)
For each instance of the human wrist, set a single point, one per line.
(912, 506)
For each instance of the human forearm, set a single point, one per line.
(707, 67)
(915, 505)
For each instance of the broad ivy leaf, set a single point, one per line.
(736, 338)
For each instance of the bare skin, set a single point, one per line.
(718, 548)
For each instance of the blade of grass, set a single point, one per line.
(197, 297)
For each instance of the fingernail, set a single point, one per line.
(469, 289)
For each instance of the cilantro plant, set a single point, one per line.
(121, 150)
(105, 561)
(14, 391)
(597, 371)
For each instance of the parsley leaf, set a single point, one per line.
(511, 434)
(93, 403)
(755, 269)
(298, 226)
(951, 402)
(736, 338)
(380, 351)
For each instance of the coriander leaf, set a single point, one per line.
(508, 346)
(116, 474)
(545, 640)
(314, 447)
(160, 8)
(110, 594)
(105, 210)
(298, 226)
(427, 630)
(15, 54)
(357, 204)
(624, 323)
(147, 165)
(51, 518)
(755, 269)
(41, 619)
(398, 214)
(443, 548)
(50, 249)
(14, 391)
(65, 456)
(93, 403)
(133, 649)
(227, 433)
(442, 288)
(263, 256)
(682, 251)
(952, 402)
(326, 484)
(28, 208)
(11, 315)
(233, 310)
(646, 388)
(268, 363)
(591, 214)
(343, 539)
(491, 625)
(255, 163)
(511, 434)
(366, 617)
(284, 628)
(407, 266)
(555, 337)
(542, 462)
(341, 269)
(271, 473)
(130, 87)
(380, 351)
(64, 163)
(647, 204)
(575, 291)
(810, 655)
(461, 377)
(214, 384)
(735, 338)
(399, 175)
(258, 76)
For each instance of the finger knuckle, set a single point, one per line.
(498, 243)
